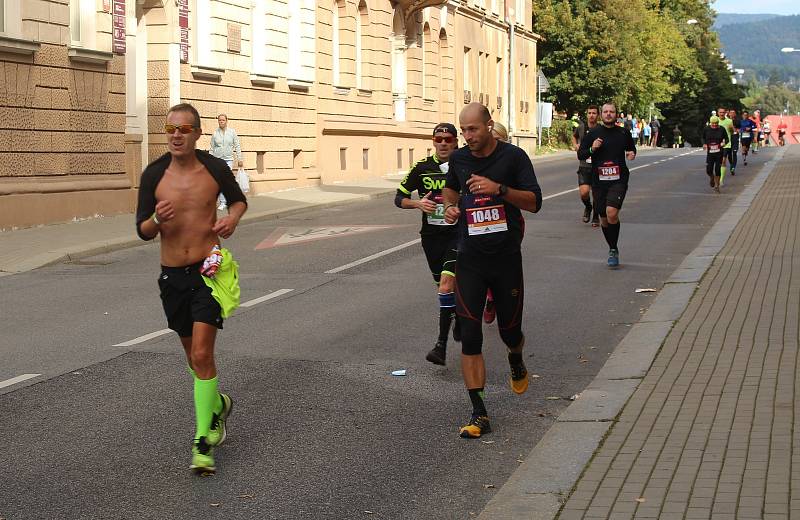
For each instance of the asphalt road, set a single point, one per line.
(320, 428)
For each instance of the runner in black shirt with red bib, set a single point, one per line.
(608, 146)
(714, 139)
(488, 183)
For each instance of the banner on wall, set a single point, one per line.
(183, 24)
(118, 27)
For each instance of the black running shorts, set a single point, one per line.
(441, 251)
(608, 194)
(187, 299)
(584, 175)
(727, 153)
(502, 273)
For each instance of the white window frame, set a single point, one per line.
(336, 66)
(301, 64)
(361, 52)
(11, 22)
(83, 24)
(203, 49)
(259, 17)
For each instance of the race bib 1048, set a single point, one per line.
(483, 220)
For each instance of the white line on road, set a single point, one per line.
(156, 334)
(373, 257)
(408, 244)
(142, 339)
(554, 195)
(269, 296)
(18, 379)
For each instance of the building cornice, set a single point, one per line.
(485, 17)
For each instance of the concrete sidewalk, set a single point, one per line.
(26, 249)
(710, 432)
(694, 413)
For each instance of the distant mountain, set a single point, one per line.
(756, 46)
(724, 19)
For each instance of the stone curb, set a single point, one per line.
(125, 242)
(541, 484)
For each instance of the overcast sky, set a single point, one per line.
(764, 6)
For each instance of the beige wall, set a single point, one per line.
(62, 151)
(310, 103)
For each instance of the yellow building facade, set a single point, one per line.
(319, 91)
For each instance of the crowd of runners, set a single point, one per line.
(471, 200)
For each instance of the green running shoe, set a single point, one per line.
(217, 433)
(202, 456)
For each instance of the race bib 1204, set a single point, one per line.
(608, 172)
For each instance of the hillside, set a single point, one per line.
(724, 19)
(757, 45)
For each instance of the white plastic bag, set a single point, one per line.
(243, 180)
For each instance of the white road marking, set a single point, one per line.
(156, 334)
(373, 257)
(408, 244)
(142, 339)
(264, 298)
(554, 195)
(18, 379)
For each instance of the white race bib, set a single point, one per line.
(484, 220)
(608, 172)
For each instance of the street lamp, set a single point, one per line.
(790, 49)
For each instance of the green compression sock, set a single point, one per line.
(206, 403)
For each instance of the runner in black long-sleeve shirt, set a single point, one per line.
(714, 139)
(609, 146)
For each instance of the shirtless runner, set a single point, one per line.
(199, 279)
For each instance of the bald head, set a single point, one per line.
(476, 127)
(475, 112)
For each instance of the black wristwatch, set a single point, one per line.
(502, 190)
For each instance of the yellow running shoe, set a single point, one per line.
(218, 432)
(477, 426)
(519, 377)
(202, 456)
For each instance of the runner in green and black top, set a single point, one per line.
(585, 167)
(609, 146)
(489, 183)
(439, 239)
(726, 123)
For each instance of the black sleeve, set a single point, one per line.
(704, 135)
(146, 204)
(525, 178)
(584, 150)
(399, 197)
(451, 181)
(410, 182)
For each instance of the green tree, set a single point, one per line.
(621, 50)
(774, 99)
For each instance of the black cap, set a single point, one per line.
(447, 128)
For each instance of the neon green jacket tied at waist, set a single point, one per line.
(225, 284)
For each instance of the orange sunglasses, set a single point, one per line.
(184, 129)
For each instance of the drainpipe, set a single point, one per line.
(510, 87)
